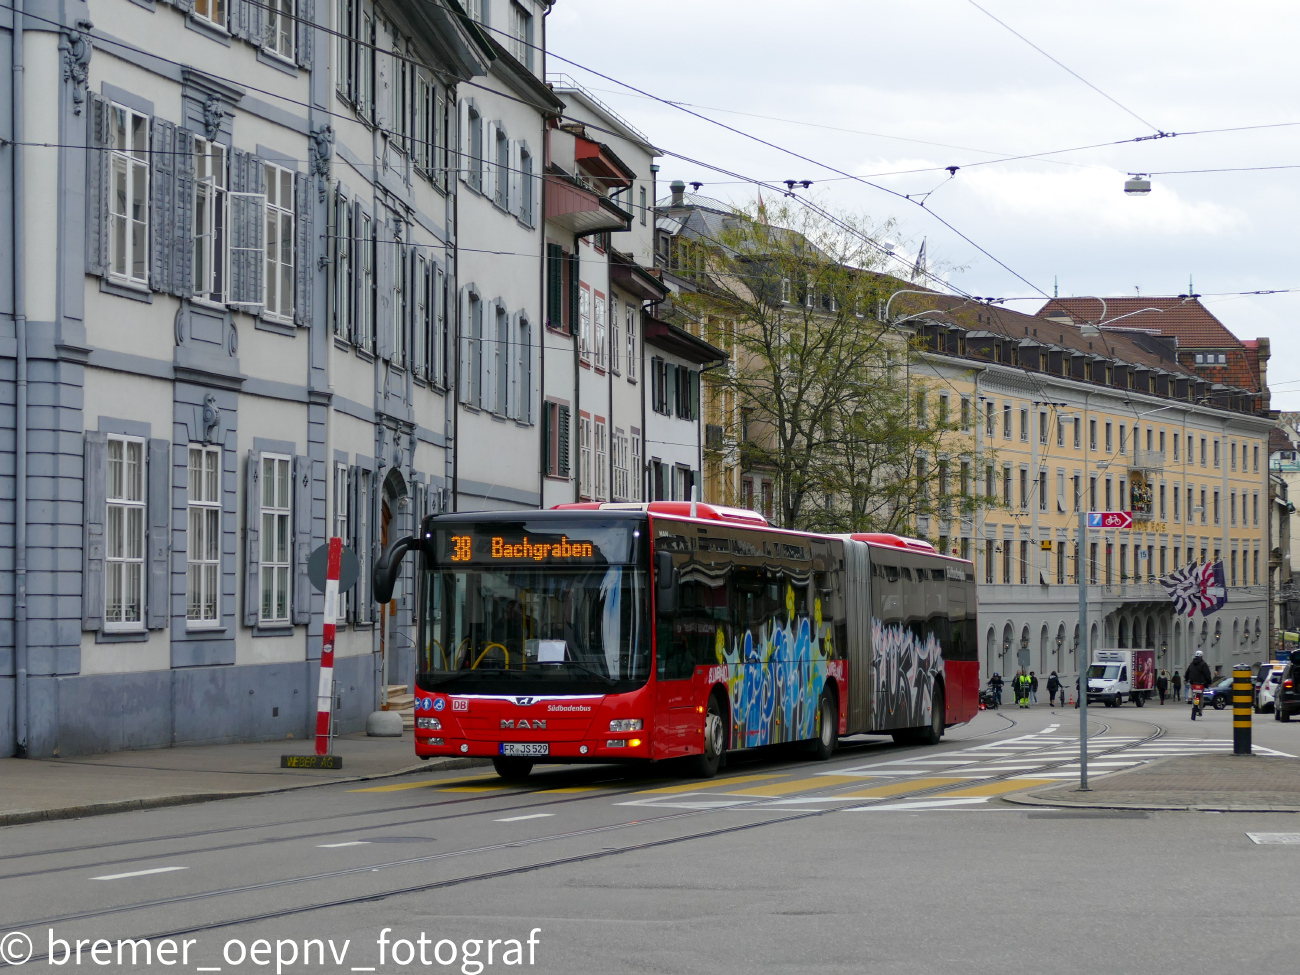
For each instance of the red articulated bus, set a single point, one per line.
(620, 632)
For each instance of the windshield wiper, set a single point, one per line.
(594, 673)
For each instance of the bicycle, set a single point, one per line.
(1197, 710)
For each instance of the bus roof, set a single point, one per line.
(675, 509)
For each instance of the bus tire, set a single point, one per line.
(706, 765)
(933, 734)
(512, 769)
(828, 726)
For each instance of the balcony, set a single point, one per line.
(1148, 460)
(573, 205)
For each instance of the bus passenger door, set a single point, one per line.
(674, 689)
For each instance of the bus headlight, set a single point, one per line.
(428, 724)
(626, 724)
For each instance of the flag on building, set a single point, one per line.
(1196, 587)
(1214, 588)
(1184, 588)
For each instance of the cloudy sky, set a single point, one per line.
(869, 88)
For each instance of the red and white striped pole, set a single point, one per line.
(325, 692)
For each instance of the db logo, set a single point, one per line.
(459, 704)
(439, 704)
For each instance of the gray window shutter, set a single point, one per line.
(355, 604)
(526, 379)
(99, 122)
(239, 165)
(247, 247)
(695, 395)
(185, 6)
(302, 512)
(463, 342)
(181, 224)
(252, 543)
(306, 28)
(360, 248)
(160, 523)
(305, 258)
(94, 514)
(562, 436)
(386, 252)
(462, 142)
(162, 204)
(240, 10)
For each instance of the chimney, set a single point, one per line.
(679, 192)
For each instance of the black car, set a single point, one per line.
(1217, 695)
(1286, 699)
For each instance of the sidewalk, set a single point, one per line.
(1211, 783)
(41, 789)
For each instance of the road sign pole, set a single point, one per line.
(1241, 708)
(325, 691)
(1079, 571)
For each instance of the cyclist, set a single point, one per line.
(1197, 676)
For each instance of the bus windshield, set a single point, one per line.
(531, 629)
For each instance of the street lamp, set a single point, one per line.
(1138, 184)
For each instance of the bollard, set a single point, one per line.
(1241, 710)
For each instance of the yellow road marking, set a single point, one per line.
(798, 785)
(714, 784)
(997, 788)
(897, 787)
(425, 784)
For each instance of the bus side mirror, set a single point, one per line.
(665, 583)
(388, 566)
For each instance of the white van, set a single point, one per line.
(1118, 674)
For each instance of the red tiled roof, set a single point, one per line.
(1188, 320)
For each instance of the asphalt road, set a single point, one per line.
(884, 859)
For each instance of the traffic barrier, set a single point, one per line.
(1241, 710)
(325, 691)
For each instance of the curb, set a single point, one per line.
(1026, 799)
(187, 799)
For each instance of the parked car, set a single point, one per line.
(1218, 695)
(1286, 699)
(1270, 675)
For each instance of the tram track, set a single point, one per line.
(757, 804)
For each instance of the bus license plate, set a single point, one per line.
(525, 749)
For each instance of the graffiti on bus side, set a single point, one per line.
(904, 667)
(775, 675)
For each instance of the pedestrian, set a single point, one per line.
(1076, 693)
(1022, 689)
(1162, 685)
(1178, 685)
(1054, 688)
(1033, 688)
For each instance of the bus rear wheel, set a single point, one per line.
(706, 766)
(932, 734)
(512, 769)
(828, 726)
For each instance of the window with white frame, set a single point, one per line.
(602, 466)
(521, 34)
(401, 295)
(615, 337)
(584, 456)
(643, 206)
(209, 220)
(422, 332)
(279, 28)
(213, 11)
(279, 242)
(601, 347)
(341, 524)
(128, 211)
(343, 280)
(277, 482)
(584, 322)
(629, 320)
(636, 471)
(124, 531)
(203, 537)
(620, 485)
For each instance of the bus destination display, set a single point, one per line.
(474, 546)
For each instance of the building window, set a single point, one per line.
(1123, 439)
(1042, 490)
(1204, 513)
(128, 212)
(1060, 432)
(1216, 453)
(584, 322)
(1204, 455)
(965, 413)
(1232, 508)
(601, 480)
(365, 313)
(1042, 428)
(989, 421)
(1007, 559)
(644, 208)
(1175, 440)
(1254, 566)
(124, 530)
(213, 11)
(521, 34)
(1177, 495)
(1110, 439)
(988, 561)
(1109, 493)
(1254, 509)
(526, 186)
(279, 241)
(943, 409)
(601, 348)
(1060, 563)
(1078, 433)
(1216, 508)
(1006, 486)
(1092, 494)
(275, 537)
(1024, 426)
(343, 246)
(1162, 502)
(500, 364)
(584, 456)
(1255, 458)
(990, 487)
(203, 541)
(620, 484)
(1006, 421)
(279, 28)
(637, 474)
(1024, 562)
(630, 316)
(1078, 492)
(209, 220)
(341, 525)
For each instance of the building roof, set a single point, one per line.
(694, 201)
(680, 342)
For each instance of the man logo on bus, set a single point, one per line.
(538, 724)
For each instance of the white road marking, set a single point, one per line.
(337, 846)
(921, 804)
(138, 873)
(517, 819)
(1270, 839)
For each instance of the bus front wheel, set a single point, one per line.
(512, 769)
(706, 766)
